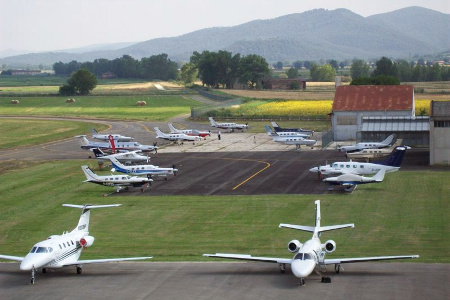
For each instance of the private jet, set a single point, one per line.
(192, 132)
(277, 128)
(368, 145)
(118, 181)
(125, 157)
(391, 164)
(106, 137)
(113, 146)
(350, 181)
(64, 250)
(179, 137)
(149, 170)
(289, 140)
(310, 256)
(229, 126)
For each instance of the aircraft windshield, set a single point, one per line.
(41, 250)
(303, 256)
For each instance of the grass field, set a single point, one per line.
(406, 214)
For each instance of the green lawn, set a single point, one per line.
(406, 214)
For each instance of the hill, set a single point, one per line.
(313, 35)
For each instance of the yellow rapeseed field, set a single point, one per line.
(317, 108)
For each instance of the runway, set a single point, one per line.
(154, 280)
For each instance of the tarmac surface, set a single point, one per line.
(238, 164)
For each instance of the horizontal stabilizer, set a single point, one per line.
(298, 227)
(88, 206)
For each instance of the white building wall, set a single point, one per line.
(439, 145)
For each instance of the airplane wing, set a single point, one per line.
(9, 257)
(363, 259)
(97, 261)
(252, 258)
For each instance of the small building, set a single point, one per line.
(25, 72)
(352, 103)
(284, 83)
(440, 133)
(108, 75)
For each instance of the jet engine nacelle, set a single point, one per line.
(86, 241)
(294, 246)
(329, 246)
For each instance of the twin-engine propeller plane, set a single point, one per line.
(350, 181)
(59, 251)
(229, 126)
(106, 137)
(193, 132)
(118, 181)
(368, 145)
(176, 136)
(277, 128)
(310, 256)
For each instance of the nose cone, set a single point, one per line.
(33, 260)
(302, 268)
(315, 169)
(27, 263)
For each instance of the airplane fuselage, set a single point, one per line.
(306, 259)
(353, 168)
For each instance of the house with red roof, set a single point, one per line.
(352, 104)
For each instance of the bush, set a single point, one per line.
(67, 90)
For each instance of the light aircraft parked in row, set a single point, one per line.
(391, 164)
(124, 157)
(149, 170)
(273, 133)
(368, 154)
(229, 126)
(277, 128)
(289, 140)
(106, 137)
(176, 136)
(59, 251)
(118, 181)
(350, 181)
(368, 145)
(310, 256)
(115, 146)
(192, 132)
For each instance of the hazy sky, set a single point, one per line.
(41, 25)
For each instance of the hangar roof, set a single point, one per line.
(374, 98)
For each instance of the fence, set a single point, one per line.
(327, 138)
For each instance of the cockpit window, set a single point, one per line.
(303, 256)
(42, 250)
(299, 256)
(33, 250)
(307, 256)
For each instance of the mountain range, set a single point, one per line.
(313, 35)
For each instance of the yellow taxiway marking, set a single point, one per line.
(249, 178)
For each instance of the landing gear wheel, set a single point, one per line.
(337, 268)
(79, 270)
(33, 279)
(326, 280)
(302, 282)
(282, 268)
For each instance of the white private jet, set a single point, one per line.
(391, 164)
(106, 137)
(296, 140)
(368, 145)
(125, 157)
(310, 256)
(277, 128)
(114, 146)
(229, 126)
(118, 181)
(149, 170)
(192, 132)
(59, 251)
(176, 136)
(350, 181)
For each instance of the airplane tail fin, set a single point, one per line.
(213, 123)
(317, 229)
(275, 125)
(159, 133)
(172, 128)
(83, 140)
(83, 223)
(388, 140)
(269, 130)
(93, 131)
(98, 152)
(90, 175)
(396, 157)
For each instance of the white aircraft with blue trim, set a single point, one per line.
(310, 256)
(368, 145)
(230, 126)
(149, 170)
(64, 250)
(106, 137)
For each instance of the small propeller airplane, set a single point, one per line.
(368, 154)
(105, 137)
(114, 146)
(229, 126)
(64, 250)
(148, 170)
(310, 256)
(176, 136)
(192, 132)
(296, 139)
(391, 164)
(368, 145)
(273, 133)
(350, 181)
(277, 128)
(118, 181)
(125, 157)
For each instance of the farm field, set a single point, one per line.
(407, 215)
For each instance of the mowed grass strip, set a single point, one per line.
(157, 108)
(28, 132)
(406, 214)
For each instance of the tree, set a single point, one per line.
(322, 73)
(279, 65)
(404, 70)
(384, 66)
(253, 68)
(292, 73)
(298, 64)
(83, 81)
(189, 73)
(334, 64)
(359, 68)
